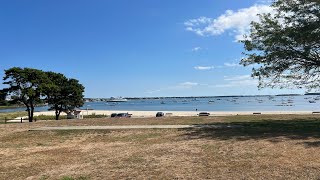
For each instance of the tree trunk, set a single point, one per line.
(57, 114)
(58, 111)
(31, 115)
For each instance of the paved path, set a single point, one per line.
(17, 121)
(131, 127)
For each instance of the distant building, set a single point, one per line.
(74, 114)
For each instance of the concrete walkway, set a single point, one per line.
(17, 121)
(131, 127)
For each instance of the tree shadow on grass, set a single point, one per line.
(273, 130)
(312, 144)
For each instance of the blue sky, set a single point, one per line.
(134, 48)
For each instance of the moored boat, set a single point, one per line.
(119, 99)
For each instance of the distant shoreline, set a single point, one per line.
(192, 97)
(10, 107)
(183, 113)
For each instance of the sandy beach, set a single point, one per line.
(177, 113)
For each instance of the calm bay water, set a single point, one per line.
(253, 103)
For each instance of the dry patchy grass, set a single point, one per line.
(11, 115)
(266, 147)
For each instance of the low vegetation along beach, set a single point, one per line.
(250, 147)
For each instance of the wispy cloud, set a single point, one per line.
(186, 85)
(225, 65)
(196, 25)
(201, 68)
(237, 81)
(179, 86)
(267, 2)
(234, 22)
(237, 78)
(195, 49)
(153, 91)
(232, 65)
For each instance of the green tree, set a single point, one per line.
(25, 86)
(284, 46)
(3, 96)
(63, 94)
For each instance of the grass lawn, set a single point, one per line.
(7, 107)
(12, 115)
(264, 147)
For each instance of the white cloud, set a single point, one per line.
(267, 2)
(180, 86)
(232, 65)
(153, 91)
(237, 78)
(235, 22)
(186, 85)
(196, 25)
(237, 81)
(203, 67)
(197, 22)
(195, 49)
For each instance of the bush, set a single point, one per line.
(94, 116)
(12, 115)
(46, 117)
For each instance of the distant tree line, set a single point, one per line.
(32, 87)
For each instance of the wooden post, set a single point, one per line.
(21, 120)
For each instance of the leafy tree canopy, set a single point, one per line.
(25, 86)
(63, 94)
(284, 46)
(3, 101)
(32, 86)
